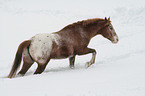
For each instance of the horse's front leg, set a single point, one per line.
(87, 51)
(92, 61)
(72, 60)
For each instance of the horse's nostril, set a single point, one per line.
(117, 39)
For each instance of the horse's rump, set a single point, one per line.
(41, 46)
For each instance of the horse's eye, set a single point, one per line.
(111, 28)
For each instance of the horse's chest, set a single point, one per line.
(41, 46)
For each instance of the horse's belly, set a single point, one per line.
(61, 52)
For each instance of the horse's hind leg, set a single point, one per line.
(41, 67)
(25, 68)
(27, 62)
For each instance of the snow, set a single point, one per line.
(119, 69)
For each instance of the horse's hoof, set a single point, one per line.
(88, 64)
(72, 67)
(19, 75)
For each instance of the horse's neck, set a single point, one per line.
(94, 30)
(90, 32)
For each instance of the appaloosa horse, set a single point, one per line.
(72, 40)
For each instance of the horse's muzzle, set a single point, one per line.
(116, 39)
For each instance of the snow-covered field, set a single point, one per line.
(119, 69)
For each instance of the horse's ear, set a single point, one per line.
(105, 18)
(109, 19)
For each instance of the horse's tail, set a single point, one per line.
(18, 58)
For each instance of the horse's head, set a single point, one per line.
(108, 31)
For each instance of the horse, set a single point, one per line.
(70, 41)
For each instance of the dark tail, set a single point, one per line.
(18, 58)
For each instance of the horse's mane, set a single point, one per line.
(91, 21)
(84, 22)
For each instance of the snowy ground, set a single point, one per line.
(119, 69)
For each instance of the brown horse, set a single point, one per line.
(72, 40)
